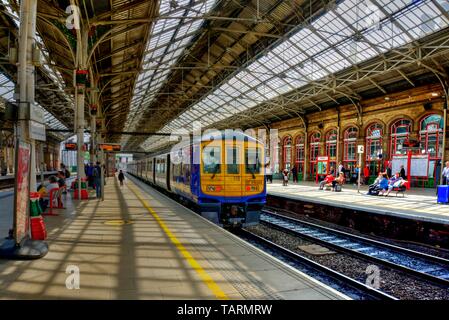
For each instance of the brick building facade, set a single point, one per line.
(383, 126)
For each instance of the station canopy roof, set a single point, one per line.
(162, 65)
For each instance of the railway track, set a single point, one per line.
(414, 263)
(355, 288)
(8, 182)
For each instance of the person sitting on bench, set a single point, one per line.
(392, 182)
(327, 181)
(338, 182)
(373, 189)
(383, 185)
(44, 191)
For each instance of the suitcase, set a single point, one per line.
(443, 194)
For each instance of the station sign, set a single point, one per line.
(110, 147)
(71, 146)
(37, 122)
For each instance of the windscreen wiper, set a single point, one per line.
(215, 171)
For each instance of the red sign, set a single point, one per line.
(22, 191)
(71, 146)
(111, 147)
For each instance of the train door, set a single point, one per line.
(153, 178)
(253, 173)
(168, 167)
(212, 168)
(233, 166)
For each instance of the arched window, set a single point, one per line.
(374, 152)
(331, 147)
(314, 150)
(350, 141)
(287, 152)
(299, 153)
(331, 144)
(431, 139)
(431, 135)
(400, 131)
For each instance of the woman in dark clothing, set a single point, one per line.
(121, 178)
(402, 173)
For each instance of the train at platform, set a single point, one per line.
(222, 175)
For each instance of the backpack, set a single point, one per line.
(95, 172)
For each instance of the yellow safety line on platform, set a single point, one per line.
(205, 277)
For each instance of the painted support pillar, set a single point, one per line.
(31, 84)
(443, 154)
(93, 120)
(80, 84)
(306, 154)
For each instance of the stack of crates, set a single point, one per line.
(84, 193)
(38, 230)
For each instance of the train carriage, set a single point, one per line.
(222, 174)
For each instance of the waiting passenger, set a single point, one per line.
(338, 182)
(121, 178)
(327, 181)
(61, 179)
(44, 191)
(394, 182)
(446, 174)
(295, 174)
(285, 175)
(383, 184)
(269, 174)
(373, 189)
(402, 174)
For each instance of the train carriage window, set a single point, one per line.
(211, 160)
(252, 160)
(232, 160)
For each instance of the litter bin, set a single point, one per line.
(443, 194)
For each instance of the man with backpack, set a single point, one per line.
(96, 175)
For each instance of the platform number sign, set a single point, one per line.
(360, 149)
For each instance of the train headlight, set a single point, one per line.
(251, 188)
(214, 188)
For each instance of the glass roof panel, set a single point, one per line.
(383, 25)
(164, 49)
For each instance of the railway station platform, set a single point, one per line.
(139, 244)
(416, 217)
(417, 203)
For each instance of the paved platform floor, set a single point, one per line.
(418, 203)
(139, 244)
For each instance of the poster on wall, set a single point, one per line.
(22, 191)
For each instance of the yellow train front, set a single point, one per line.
(222, 174)
(232, 180)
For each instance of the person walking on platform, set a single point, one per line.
(96, 175)
(285, 177)
(89, 173)
(121, 178)
(446, 174)
(295, 174)
(269, 174)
